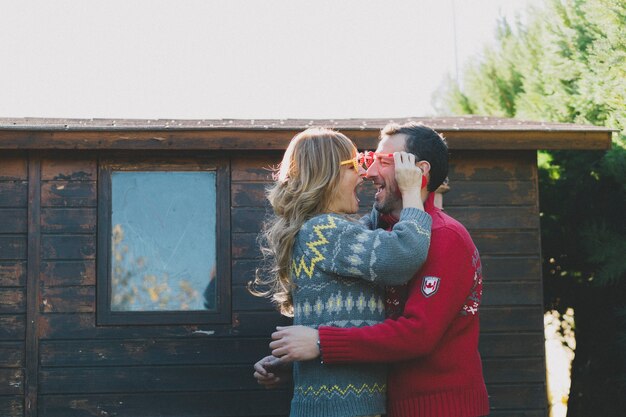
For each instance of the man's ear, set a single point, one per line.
(425, 167)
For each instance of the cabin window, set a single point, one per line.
(163, 229)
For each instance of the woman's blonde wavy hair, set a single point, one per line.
(305, 184)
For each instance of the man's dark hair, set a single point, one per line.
(426, 145)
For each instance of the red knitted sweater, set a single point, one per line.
(436, 369)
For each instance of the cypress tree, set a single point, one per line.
(567, 63)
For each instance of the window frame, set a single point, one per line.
(223, 312)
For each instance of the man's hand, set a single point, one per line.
(295, 343)
(271, 372)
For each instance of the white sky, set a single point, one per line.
(210, 59)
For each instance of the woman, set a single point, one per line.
(329, 270)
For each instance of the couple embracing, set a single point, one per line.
(385, 308)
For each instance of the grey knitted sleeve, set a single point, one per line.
(370, 220)
(343, 247)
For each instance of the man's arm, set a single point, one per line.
(436, 298)
(295, 343)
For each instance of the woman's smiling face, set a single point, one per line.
(345, 198)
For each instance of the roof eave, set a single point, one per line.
(277, 139)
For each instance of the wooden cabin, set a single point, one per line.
(126, 246)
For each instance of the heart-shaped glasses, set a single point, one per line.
(365, 159)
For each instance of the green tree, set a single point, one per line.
(567, 63)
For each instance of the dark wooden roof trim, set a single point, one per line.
(444, 123)
(461, 133)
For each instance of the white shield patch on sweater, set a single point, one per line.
(430, 285)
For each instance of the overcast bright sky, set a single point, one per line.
(209, 59)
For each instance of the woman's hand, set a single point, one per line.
(409, 179)
(295, 343)
(271, 372)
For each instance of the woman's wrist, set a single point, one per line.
(413, 200)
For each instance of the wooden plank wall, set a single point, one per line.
(13, 270)
(173, 371)
(135, 371)
(256, 317)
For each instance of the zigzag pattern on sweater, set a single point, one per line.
(302, 265)
(329, 391)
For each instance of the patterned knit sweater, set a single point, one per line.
(339, 269)
(433, 346)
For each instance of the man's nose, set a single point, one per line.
(372, 171)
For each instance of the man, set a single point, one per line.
(431, 336)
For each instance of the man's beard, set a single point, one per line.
(390, 203)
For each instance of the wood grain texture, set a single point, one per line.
(511, 318)
(511, 268)
(12, 300)
(12, 327)
(512, 293)
(31, 358)
(68, 194)
(509, 397)
(11, 381)
(494, 218)
(68, 247)
(254, 168)
(259, 324)
(83, 326)
(11, 354)
(72, 299)
(257, 138)
(13, 220)
(533, 412)
(518, 370)
(248, 219)
(13, 194)
(243, 270)
(69, 169)
(195, 350)
(13, 167)
(12, 274)
(13, 247)
(194, 404)
(12, 406)
(492, 166)
(245, 246)
(249, 194)
(511, 344)
(490, 193)
(244, 301)
(68, 220)
(506, 242)
(146, 379)
(62, 273)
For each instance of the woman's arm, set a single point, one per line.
(338, 246)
